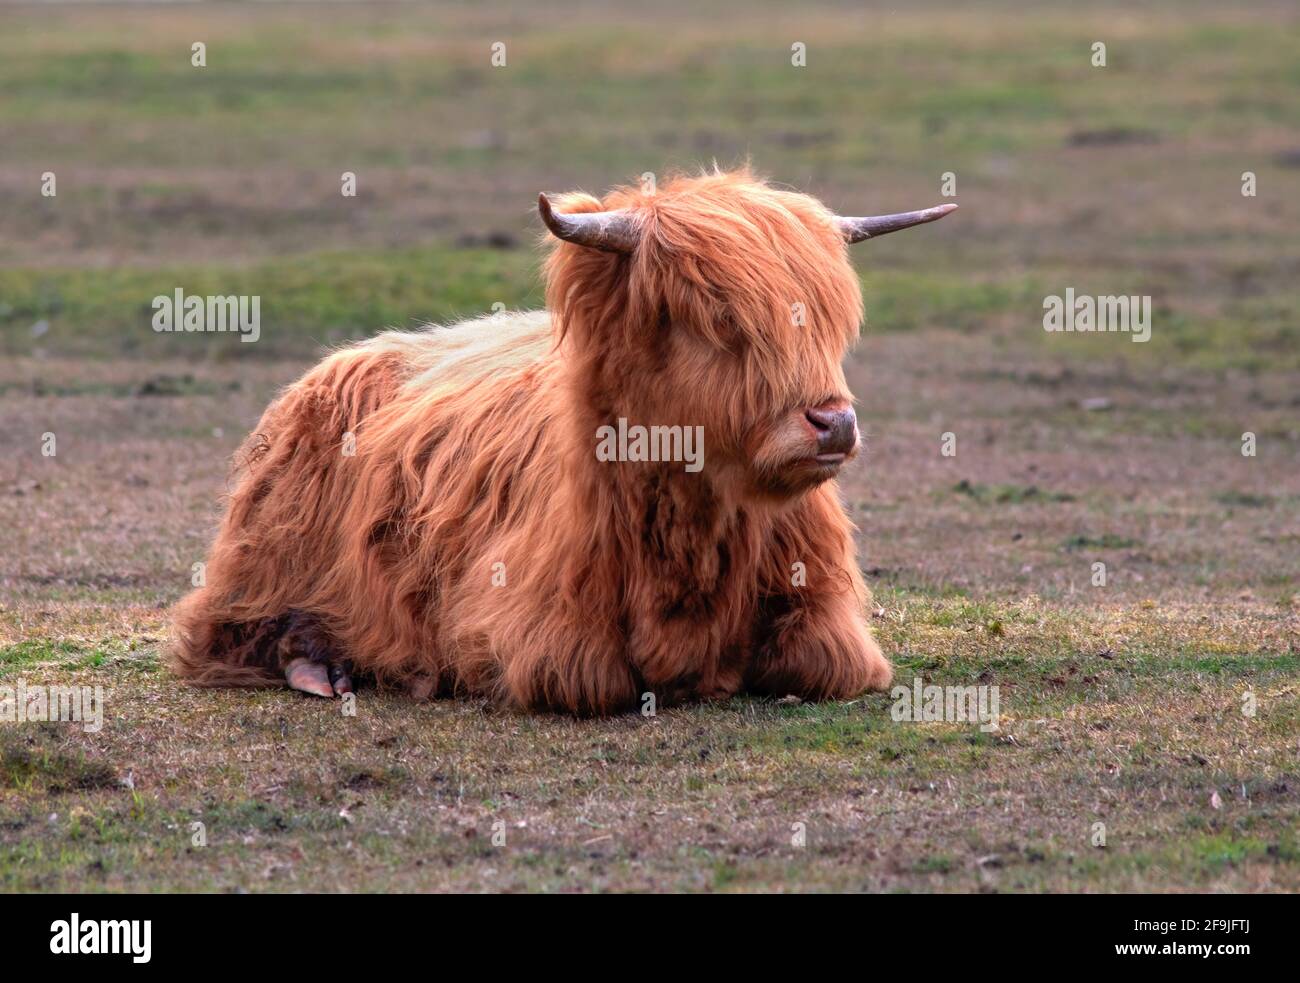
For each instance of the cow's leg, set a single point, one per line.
(309, 659)
(818, 648)
(814, 638)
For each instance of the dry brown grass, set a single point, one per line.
(1120, 705)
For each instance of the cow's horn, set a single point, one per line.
(614, 232)
(871, 226)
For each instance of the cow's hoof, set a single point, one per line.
(318, 678)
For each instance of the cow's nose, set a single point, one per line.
(836, 426)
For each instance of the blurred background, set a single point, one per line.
(1123, 179)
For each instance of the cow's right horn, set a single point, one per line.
(614, 232)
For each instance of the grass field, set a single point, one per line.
(1124, 705)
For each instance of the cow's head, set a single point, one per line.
(719, 301)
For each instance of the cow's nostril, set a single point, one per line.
(835, 426)
(821, 418)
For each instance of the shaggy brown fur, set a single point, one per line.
(475, 463)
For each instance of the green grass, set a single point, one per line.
(307, 302)
(1008, 494)
(1104, 541)
(417, 793)
(321, 299)
(42, 768)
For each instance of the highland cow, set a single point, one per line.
(428, 510)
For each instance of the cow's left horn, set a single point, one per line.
(871, 226)
(614, 232)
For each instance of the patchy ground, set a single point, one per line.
(1131, 717)
(1124, 704)
(1164, 704)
